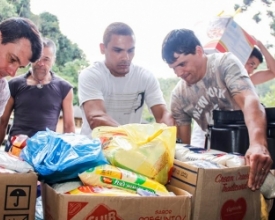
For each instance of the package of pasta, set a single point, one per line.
(146, 149)
(99, 191)
(111, 176)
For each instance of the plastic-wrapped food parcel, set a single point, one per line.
(59, 157)
(147, 149)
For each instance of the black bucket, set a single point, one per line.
(229, 132)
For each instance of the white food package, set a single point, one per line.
(14, 163)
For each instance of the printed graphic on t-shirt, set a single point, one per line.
(224, 77)
(125, 103)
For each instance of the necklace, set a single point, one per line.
(39, 85)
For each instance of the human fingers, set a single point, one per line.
(262, 163)
(263, 171)
(247, 162)
(252, 173)
(259, 177)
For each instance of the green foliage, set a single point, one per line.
(266, 91)
(70, 73)
(6, 10)
(49, 26)
(264, 88)
(22, 7)
(166, 86)
(70, 58)
(258, 16)
(268, 100)
(66, 50)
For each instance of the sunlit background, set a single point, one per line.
(84, 21)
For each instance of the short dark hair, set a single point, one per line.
(49, 43)
(181, 41)
(257, 53)
(13, 29)
(117, 28)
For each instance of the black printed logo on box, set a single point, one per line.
(16, 217)
(17, 197)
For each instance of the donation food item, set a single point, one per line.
(187, 153)
(99, 191)
(146, 149)
(110, 176)
(11, 162)
(18, 142)
(143, 192)
(205, 164)
(67, 186)
(61, 157)
(3, 170)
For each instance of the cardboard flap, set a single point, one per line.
(75, 207)
(184, 176)
(218, 193)
(177, 190)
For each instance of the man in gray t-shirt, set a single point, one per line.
(217, 81)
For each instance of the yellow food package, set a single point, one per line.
(147, 149)
(99, 191)
(110, 176)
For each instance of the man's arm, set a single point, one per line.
(262, 76)
(68, 114)
(96, 115)
(91, 98)
(4, 120)
(257, 156)
(162, 115)
(184, 133)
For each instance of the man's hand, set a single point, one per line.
(162, 115)
(167, 119)
(259, 160)
(259, 43)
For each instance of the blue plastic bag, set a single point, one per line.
(58, 157)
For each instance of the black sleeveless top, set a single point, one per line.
(36, 109)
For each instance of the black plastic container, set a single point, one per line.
(229, 132)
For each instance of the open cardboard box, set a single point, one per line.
(18, 196)
(218, 193)
(74, 207)
(223, 34)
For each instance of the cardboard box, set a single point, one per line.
(223, 34)
(74, 207)
(18, 196)
(218, 193)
